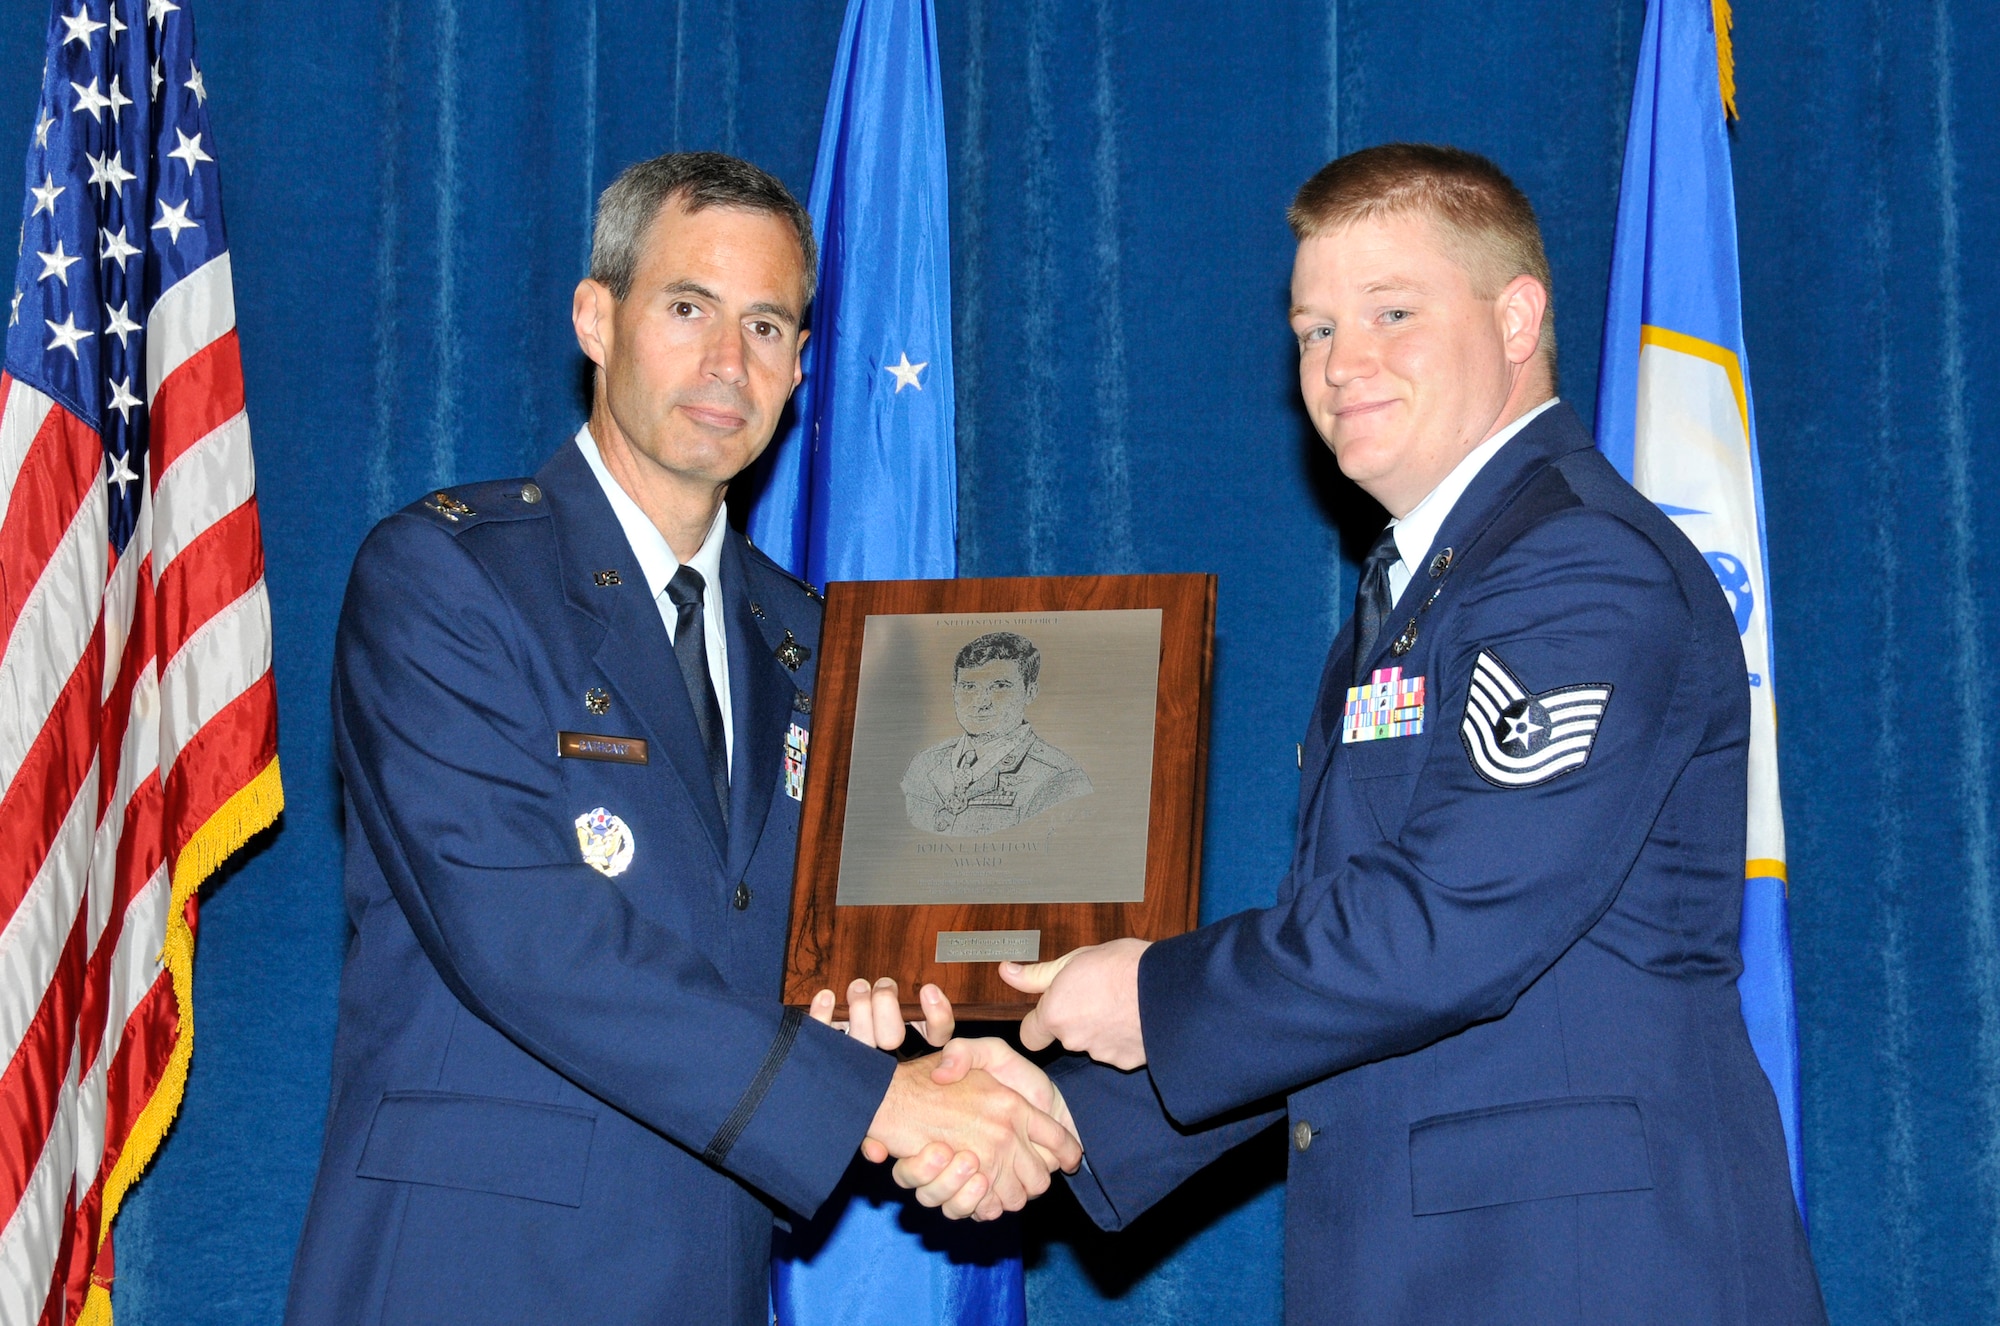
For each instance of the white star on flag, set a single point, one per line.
(14, 318)
(196, 86)
(116, 25)
(42, 127)
(122, 400)
(118, 101)
(121, 473)
(90, 99)
(46, 195)
(906, 373)
(115, 248)
(57, 264)
(121, 324)
(66, 334)
(174, 220)
(157, 11)
(159, 77)
(108, 172)
(189, 150)
(80, 26)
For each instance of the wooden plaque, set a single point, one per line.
(980, 829)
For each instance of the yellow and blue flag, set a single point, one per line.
(1674, 415)
(864, 486)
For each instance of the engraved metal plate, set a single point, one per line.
(989, 946)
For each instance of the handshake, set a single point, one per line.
(977, 1129)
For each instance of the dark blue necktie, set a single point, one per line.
(1372, 600)
(691, 650)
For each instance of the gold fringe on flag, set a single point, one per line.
(252, 809)
(1725, 56)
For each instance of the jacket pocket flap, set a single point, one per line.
(481, 1143)
(1522, 1153)
(1385, 757)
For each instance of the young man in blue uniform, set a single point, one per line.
(1495, 1001)
(570, 715)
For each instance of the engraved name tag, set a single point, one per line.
(590, 746)
(989, 946)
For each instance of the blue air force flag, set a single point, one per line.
(864, 486)
(1674, 415)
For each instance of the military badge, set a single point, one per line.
(791, 653)
(606, 842)
(448, 506)
(1517, 739)
(795, 762)
(1390, 705)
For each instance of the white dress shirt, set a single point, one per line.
(1417, 531)
(658, 564)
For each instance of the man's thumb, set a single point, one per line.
(1035, 977)
(956, 1060)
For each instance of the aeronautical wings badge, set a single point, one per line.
(1517, 739)
(606, 842)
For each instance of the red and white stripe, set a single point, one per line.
(135, 700)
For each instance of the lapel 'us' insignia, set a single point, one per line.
(791, 653)
(606, 842)
(1517, 739)
(1390, 705)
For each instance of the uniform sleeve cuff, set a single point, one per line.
(815, 1108)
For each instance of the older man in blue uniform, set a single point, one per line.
(1495, 1001)
(570, 714)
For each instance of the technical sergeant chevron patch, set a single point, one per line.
(1517, 739)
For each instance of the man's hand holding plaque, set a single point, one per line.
(1090, 1001)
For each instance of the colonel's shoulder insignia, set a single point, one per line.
(460, 508)
(606, 842)
(1519, 739)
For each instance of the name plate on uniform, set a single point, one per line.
(989, 946)
(590, 746)
(1003, 770)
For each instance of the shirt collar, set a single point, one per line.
(656, 559)
(1416, 531)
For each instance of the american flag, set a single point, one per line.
(138, 724)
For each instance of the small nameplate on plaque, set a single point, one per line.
(989, 946)
(590, 746)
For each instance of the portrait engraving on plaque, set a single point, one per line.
(996, 773)
(1002, 757)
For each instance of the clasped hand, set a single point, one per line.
(977, 1129)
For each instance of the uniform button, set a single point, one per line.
(531, 493)
(1302, 1134)
(741, 900)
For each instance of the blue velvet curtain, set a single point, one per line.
(409, 184)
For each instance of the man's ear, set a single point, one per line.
(799, 359)
(590, 312)
(1522, 305)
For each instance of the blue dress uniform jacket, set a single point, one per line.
(1496, 999)
(559, 1094)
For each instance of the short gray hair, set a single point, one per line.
(697, 180)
